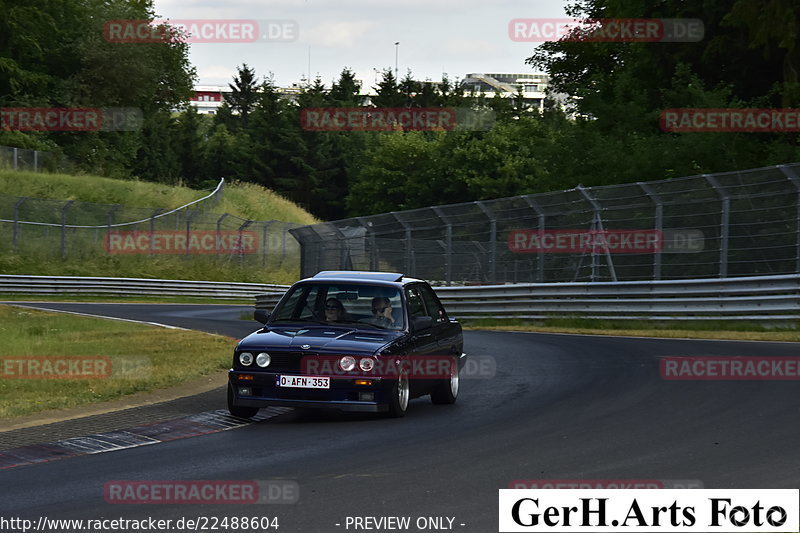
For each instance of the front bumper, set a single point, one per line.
(343, 393)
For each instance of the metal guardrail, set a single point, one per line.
(746, 298)
(12, 284)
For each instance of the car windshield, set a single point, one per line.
(352, 304)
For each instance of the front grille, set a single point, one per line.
(287, 361)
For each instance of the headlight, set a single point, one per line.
(263, 359)
(367, 364)
(347, 363)
(246, 358)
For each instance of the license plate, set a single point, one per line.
(303, 382)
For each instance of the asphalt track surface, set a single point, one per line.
(559, 407)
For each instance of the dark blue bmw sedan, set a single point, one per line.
(349, 340)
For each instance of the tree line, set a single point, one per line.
(608, 132)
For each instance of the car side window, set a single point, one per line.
(433, 305)
(415, 306)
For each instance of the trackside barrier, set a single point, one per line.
(12, 284)
(745, 298)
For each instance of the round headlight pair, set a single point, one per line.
(263, 359)
(348, 363)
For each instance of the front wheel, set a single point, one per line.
(446, 391)
(401, 392)
(238, 410)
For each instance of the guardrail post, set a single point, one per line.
(790, 174)
(64, 228)
(598, 222)
(659, 225)
(541, 219)
(15, 234)
(492, 240)
(724, 224)
(448, 265)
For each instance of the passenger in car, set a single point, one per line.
(334, 311)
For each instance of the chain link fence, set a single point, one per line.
(743, 223)
(23, 159)
(56, 229)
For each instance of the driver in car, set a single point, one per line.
(381, 313)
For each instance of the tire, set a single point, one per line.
(401, 394)
(238, 410)
(446, 391)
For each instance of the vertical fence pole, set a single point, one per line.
(534, 205)
(410, 266)
(792, 176)
(240, 246)
(724, 224)
(264, 242)
(659, 226)
(15, 235)
(189, 215)
(36, 160)
(598, 224)
(492, 240)
(448, 232)
(64, 228)
(218, 236)
(14, 155)
(153, 230)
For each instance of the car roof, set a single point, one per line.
(361, 276)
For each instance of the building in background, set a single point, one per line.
(533, 86)
(208, 98)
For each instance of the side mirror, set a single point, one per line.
(261, 316)
(422, 322)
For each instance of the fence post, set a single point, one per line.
(15, 235)
(492, 240)
(265, 242)
(14, 152)
(36, 160)
(724, 224)
(598, 221)
(239, 245)
(659, 225)
(540, 226)
(448, 265)
(153, 230)
(64, 228)
(790, 174)
(409, 268)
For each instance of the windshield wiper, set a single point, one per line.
(313, 321)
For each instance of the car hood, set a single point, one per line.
(319, 339)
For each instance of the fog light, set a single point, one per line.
(245, 391)
(366, 396)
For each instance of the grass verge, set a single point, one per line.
(712, 329)
(132, 358)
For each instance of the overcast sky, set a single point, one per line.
(435, 36)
